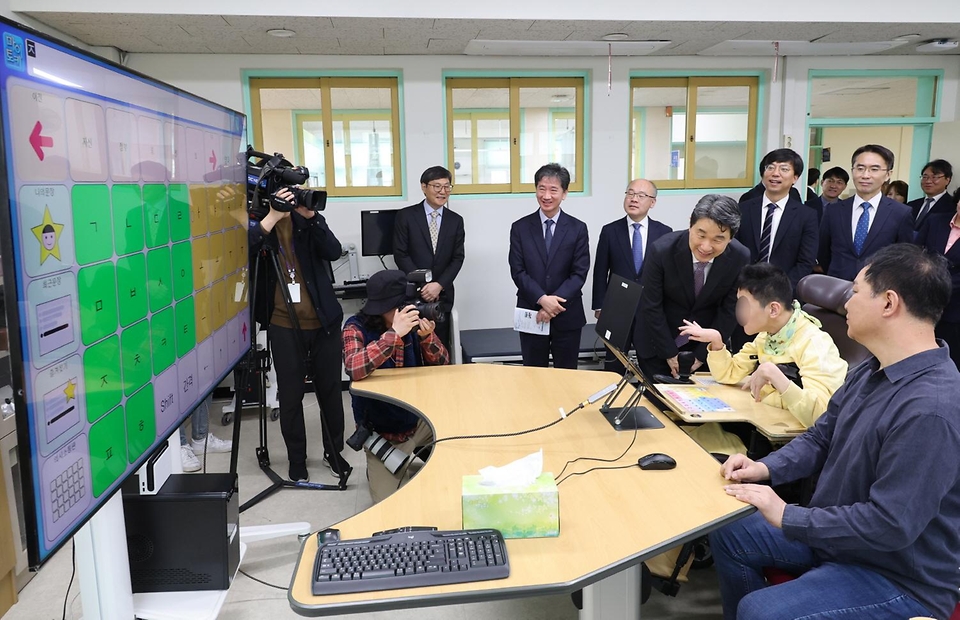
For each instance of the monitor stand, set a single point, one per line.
(635, 418)
(631, 416)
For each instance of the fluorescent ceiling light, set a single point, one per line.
(282, 33)
(797, 48)
(481, 47)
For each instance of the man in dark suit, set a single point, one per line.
(623, 244)
(776, 228)
(428, 235)
(813, 175)
(934, 179)
(939, 235)
(855, 228)
(690, 275)
(549, 260)
(834, 182)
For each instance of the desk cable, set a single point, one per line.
(563, 416)
(592, 458)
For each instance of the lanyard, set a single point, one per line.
(291, 271)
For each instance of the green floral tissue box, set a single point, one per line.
(527, 511)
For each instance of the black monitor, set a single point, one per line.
(376, 232)
(619, 311)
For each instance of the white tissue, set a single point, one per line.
(522, 472)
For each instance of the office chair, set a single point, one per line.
(824, 298)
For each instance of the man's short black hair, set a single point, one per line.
(837, 173)
(783, 156)
(939, 166)
(919, 277)
(723, 210)
(767, 283)
(813, 175)
(435, 173)
(882, 151)
(555, 171)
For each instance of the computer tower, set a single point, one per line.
(186, 537)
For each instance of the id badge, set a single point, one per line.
(294, 288)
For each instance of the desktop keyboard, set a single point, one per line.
(409, 560)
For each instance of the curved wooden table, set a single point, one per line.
(610, 520)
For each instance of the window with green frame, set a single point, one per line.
(694, 132)
(501, 130)
(346, 130)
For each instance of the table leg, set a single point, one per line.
(615, 598)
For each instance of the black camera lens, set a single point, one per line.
(430, 310)
(313, 199)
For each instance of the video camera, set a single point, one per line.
(429, 310)
(271, 173)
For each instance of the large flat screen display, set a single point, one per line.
(124, 260)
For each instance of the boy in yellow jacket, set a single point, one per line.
(785, 335)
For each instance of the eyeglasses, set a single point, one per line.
(783, 168)
(640, 195)
(437, 187)
(934, 177)
(858, 169)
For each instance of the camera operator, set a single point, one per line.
(304, 243)
(389, 333)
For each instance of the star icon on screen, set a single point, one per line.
(48, 234)
(70, 390)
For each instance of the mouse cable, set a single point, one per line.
(593, 458)
(581, 473)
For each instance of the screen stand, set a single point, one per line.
(631, 416)
(103, 565)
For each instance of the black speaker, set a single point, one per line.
(186, 537)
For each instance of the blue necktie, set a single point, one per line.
(860, 236)
(548, 237)
(637, 248)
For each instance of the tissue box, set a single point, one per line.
(518, 511)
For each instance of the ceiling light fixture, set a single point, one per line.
(615, 36)
(281, 33)
(907, 37)
(938, 45)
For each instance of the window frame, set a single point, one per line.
(692, 83)
(328, 115)
(514, 83)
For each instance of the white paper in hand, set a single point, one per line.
(525, 321)
(522, 472)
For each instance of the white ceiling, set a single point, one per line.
(246, 34)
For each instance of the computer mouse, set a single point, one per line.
(657, 460)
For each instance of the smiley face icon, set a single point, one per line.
(48, 234)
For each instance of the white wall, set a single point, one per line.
(485, 293)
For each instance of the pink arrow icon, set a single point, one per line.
(38, 142)
(213, 160)
(244, 331)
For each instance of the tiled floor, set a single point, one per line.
(273, 561)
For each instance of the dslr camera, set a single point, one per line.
(429, 310)
(392, 457)
(268, 174)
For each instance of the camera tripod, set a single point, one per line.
(259, 361)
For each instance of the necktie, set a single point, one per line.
(765, 233)
(434, 231)
(925, 208)
(860, 236)
(548, 236)
(637, 248)
(699, 277)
